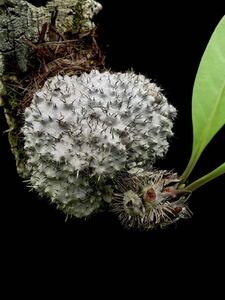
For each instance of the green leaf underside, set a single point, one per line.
(208, 99)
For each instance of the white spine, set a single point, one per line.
(80, 132)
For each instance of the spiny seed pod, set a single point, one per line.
(149, 199)
(80, 132)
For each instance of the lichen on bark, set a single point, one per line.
(21, 20)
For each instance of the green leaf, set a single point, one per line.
(205, 179)
(208, 99)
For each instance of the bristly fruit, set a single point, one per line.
(80, 132)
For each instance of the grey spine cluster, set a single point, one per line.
(80, 132)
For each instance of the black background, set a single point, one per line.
(165, 43)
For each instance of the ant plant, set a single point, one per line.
(90, 139)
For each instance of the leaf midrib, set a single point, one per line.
(204, 142)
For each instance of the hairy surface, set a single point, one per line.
(80, 132)
(149, 199)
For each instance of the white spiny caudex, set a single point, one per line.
(91, 141)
